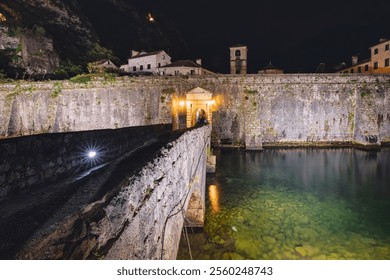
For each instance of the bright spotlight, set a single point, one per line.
(91, 154)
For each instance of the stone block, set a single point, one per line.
(47, 165)
(49, 173)
(3, 179)
(60, 171)
(32, 180)
(4, 191)
(4, 167)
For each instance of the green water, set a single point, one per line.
(296, 204)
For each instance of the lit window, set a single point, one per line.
(387, 62)
(375, 65)
(366, 68)
(375, 51)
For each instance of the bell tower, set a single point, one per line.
(238, 59)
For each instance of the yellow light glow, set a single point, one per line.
(214, 198)
(212, 102)
(2, 17)
(150, 17)
(182, 103)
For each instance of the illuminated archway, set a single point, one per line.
(199, 103)
(199, 117)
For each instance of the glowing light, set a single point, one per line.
(92, 154)
(2, 17)
(214, 198)
(150, 17)
(212, 102)
(182, 103)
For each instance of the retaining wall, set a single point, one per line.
(249, 110)
(29, 162)
(142, 220)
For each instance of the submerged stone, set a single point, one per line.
(269, 239)
(307, 250)
(232, 256)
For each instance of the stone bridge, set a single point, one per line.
(130, 201)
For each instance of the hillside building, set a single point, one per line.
(101, 66)
(184, 67)
(379, 61)
(146, 62)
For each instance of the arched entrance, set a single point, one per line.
(199, 117)
(199, 106)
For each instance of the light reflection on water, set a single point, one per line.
(214, 198)
(297, 204)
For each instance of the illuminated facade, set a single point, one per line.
(184, 67)
(144, 62)
(378, 63)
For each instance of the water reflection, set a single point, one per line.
(214, 198)
(336, 172)
(297, 204)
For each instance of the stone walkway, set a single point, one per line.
(36, 214)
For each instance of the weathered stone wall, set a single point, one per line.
(29, 162)
(31, 108)
(288, 109)
(249, 110)
(143, 220)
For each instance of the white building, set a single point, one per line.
(144, 62)
(184, 67)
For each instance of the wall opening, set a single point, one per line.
(200, 105)
(195, 211)
(199, 117)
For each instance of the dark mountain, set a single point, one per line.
(37, 34)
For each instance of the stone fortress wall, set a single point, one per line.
(249, 109)
(27, 163)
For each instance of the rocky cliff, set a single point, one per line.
(44, 36)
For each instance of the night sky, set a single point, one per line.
(295, 35)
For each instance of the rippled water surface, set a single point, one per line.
(296, 204)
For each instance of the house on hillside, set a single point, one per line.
(104, 65)
(379, 61)
(184, 67)
(146, 62)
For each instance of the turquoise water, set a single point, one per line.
(296, 204)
